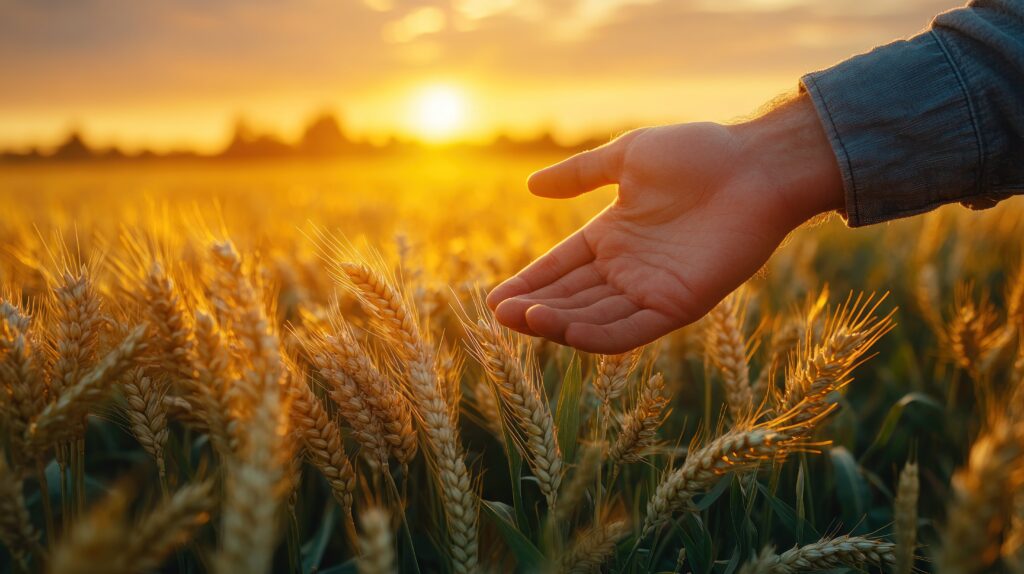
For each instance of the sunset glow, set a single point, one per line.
(438, 113)
(168, 75)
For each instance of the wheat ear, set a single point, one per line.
(16, 530)
(905, 518)
(784, 338)
(76, 308)
(972, 335)
(96, 542)
(435, 409)
(257, 473)
(106, 541)
(640, 426)
(147, 415)
(852, 551)
(208, 393)
(184, 370)
(979, 515)
(323, 441)
(823, 368)
(59, 420)
(741, 449)
(170, 525)
(612, 375)
(727, 348)
(593, 547)
(388, 403)
(171, 329)
(22, 379)
(376, 546)
(355, 410)
(521, 401)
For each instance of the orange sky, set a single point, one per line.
(177, 73)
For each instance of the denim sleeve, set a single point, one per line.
(935, 119)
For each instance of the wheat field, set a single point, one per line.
(289, 369)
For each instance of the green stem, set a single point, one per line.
(65, 498)
(44, 494)
(406, 532)
(79, 475)
(766, 520)
(294, 558)
(603, 414)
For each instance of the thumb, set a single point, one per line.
(580, 173)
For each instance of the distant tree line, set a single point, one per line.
(323, 138)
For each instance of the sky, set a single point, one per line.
(169, 74)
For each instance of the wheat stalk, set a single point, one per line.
(851, 551)
(432, 399)
(257, 472)
(905, 518)
(521, 402)
(575, 489)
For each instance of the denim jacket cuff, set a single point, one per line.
(902, 129)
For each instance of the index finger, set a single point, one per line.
(563, 258)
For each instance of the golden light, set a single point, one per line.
(438, 112)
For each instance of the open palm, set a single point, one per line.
(687, 228)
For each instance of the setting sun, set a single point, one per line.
(438, 112)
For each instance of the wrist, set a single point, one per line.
(790, 152)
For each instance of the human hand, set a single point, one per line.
(700, 209)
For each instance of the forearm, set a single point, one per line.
(932, 120)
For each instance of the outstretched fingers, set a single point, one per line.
(569, 292)
(572, 253)
(621, 335)
(552, 322)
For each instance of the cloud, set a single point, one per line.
(62, 56)
(419, 22)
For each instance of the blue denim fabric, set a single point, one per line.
(935, 119)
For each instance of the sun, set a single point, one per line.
(438, 112)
